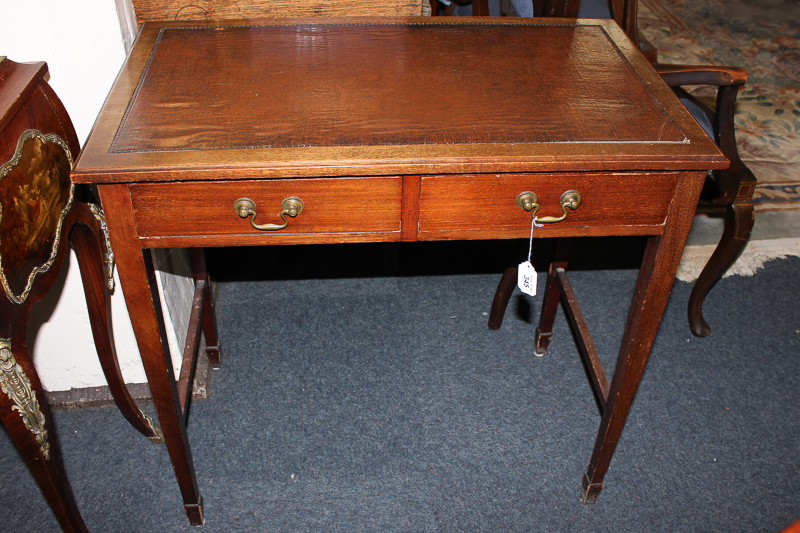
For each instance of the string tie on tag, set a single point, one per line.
(530, 244)
(526, 274)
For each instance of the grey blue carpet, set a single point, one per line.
(371, 403)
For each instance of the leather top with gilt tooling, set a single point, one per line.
(311, 94)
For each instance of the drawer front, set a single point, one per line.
(331, 206)
(459, 206)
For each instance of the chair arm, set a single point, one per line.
(737, 179)
(677, 75)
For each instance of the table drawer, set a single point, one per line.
(455, 206)
(330, 206)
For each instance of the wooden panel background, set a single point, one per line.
(149, 10)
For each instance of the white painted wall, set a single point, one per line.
(82, 43)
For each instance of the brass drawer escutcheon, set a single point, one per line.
(291, 206)
(529, 202)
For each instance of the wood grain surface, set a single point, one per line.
(358, 85)
(352, 97)
(339, 205)
(152, 10)
(454, 205)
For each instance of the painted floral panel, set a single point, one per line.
(35, 191)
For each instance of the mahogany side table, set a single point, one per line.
(260, 132)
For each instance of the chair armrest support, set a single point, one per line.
(676, 75)
(728, 183)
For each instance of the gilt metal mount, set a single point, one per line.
(17, 386)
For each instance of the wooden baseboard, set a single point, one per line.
(99, 396)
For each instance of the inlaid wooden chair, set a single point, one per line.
(40, 211)
(732, 187)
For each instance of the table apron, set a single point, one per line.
(395, 208)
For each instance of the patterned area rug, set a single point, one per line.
(762, 36)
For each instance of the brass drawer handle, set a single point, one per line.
(528, 201)
(291, 206)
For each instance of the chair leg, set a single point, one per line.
(502, 296)
(30, 426)
(85, 239)
(739, 221)
(480, 8)
(551, 298)
(199, 272)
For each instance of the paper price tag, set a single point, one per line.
(526, 278)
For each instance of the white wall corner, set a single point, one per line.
(84, 44)
(60, 336)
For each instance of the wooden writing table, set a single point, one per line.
(339, 114)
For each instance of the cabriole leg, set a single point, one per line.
(739, 220)
(25, 415)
